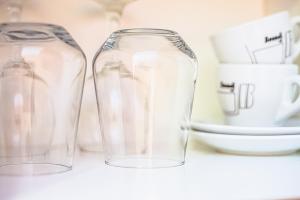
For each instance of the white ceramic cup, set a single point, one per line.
(258, 94)
(269, 40)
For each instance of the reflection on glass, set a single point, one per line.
(28, 110)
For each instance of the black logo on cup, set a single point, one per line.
(236, 97)
(273, 38)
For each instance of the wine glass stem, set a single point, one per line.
(14, 8)
(112, 22)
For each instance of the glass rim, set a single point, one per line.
(145, 31)
(137, 162)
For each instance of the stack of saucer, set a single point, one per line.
(250, 140)
(257, 88)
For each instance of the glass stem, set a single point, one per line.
(14, 10)
(112, 22)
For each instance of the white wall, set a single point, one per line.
(271, 6)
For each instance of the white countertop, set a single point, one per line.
(206, 175)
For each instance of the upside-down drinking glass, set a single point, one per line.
(41, 81)
(145, 81)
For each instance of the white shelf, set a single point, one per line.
(206, 175)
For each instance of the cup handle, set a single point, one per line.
(296, 51)
(288, 106)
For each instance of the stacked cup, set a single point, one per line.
(258, 83)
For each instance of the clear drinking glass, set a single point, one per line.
(145, 81)
(41, 81)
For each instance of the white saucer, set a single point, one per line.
(250, 144)
(292, 127)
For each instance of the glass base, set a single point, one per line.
(32, 169)
(138, 162)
